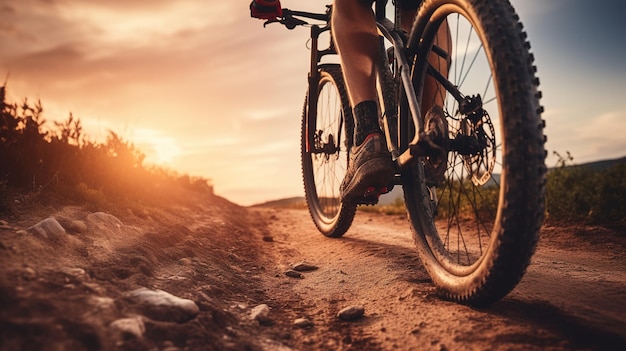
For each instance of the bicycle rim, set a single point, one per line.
(325, 145)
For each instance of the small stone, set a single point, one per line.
(77, 226)
(130, 326)
(261, 313)
(102, 304)
(351, 313)
(5, 225)
(76, 273)
(304, 267)
(293, 274)
(303, 323)
(163, 306)
(48, 228)
(93, 287)
(268, 238)
(29, 273)
(184, 261)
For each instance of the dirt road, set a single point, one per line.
(573, 296)
(76, 290)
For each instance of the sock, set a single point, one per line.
(365, 120)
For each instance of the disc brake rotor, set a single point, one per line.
(436, 127)
(480, 165)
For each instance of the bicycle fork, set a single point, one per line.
(314, 78)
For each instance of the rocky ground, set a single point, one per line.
(209, 275)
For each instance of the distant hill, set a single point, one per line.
(397, 193)
(602, 165)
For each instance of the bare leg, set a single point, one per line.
(356, 37)
(434, 94)
(370, 169)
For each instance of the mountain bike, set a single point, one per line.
(473, 179)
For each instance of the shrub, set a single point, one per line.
(574, 194)
(61, 161)
(582, 195)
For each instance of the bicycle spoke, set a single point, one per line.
(471, 251)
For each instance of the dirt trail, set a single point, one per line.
(71, 291)
(572, 297)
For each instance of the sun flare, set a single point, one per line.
(159, 148)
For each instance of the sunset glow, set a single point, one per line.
(201, 87)
(159, 149)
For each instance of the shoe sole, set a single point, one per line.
(377, 173)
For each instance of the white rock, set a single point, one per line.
(48, 228)
(161, 305)
(130, 326)
(261, 313)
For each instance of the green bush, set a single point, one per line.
(580, 194)
(574, 194)
(474, 201)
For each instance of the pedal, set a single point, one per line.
(369, 200)
(371, 195)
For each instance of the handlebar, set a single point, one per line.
(289, 21)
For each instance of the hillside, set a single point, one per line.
(200, 273)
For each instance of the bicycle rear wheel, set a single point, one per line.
(476, 227)
(326, 139)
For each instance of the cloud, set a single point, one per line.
(602, 135)
(593, 138)
(228, 93)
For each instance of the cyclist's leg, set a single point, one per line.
(356, 39)
(434, 94)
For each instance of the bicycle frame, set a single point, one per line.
(401, 106)
(475, 230)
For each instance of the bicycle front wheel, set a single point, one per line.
(327, 129)
(476, 224)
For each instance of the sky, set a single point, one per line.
(205, 90)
